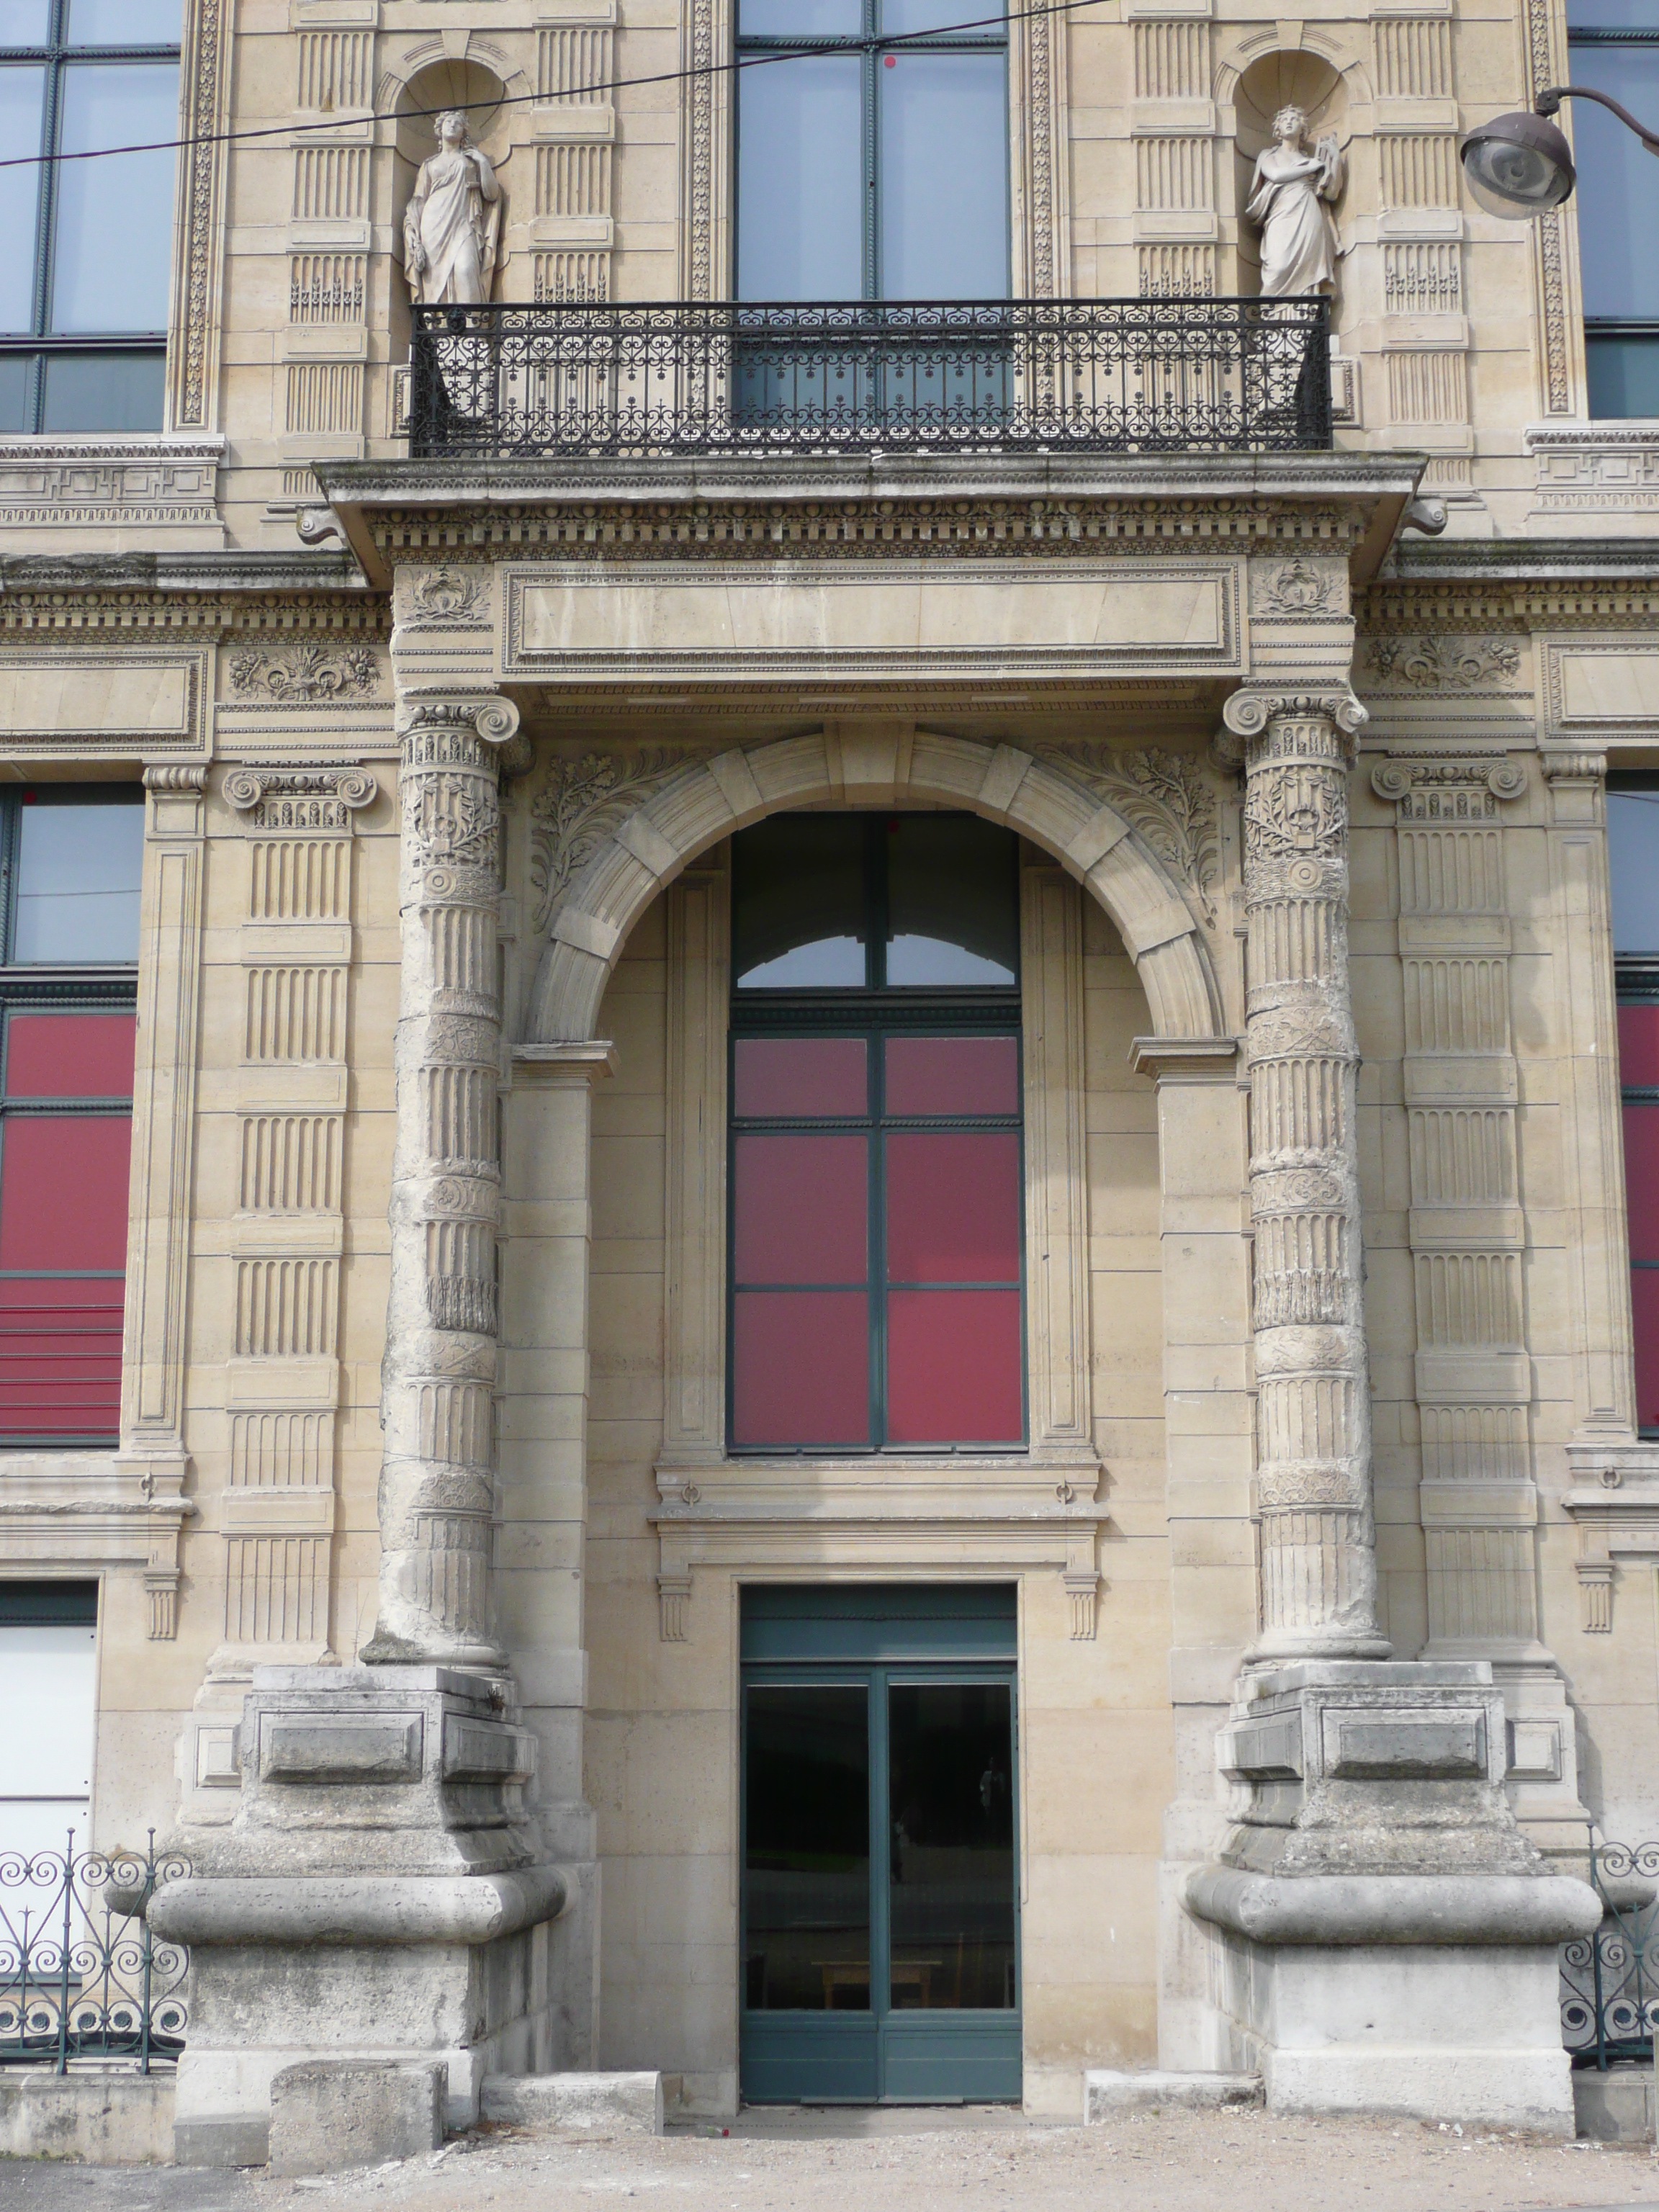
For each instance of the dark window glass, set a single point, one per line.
(879, 175)
(876, 1257)
(806, 1849)
(952, 901)
(1633, 865)
(797, 903)
(91, 239)
(67, 1035)
(76, 882)
(1613, 47)
(951, 1769)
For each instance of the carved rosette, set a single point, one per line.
(436, 1497)
(1313, 1428)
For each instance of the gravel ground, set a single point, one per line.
(916, 2161)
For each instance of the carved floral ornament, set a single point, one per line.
(1165, 797)
(305, 668)
(1299, 588)
(445, 596)
(1453, 664)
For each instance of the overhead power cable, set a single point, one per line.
(858, 46)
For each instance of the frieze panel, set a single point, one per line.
(309, 669)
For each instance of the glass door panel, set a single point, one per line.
(806, 1850)
(951, 1877)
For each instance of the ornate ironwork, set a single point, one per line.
(1610, 1980)
(589, 378)
(81, 1974)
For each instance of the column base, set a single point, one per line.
(383, 1893)
(1381, 1936)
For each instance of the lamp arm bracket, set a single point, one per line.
(1548, 102)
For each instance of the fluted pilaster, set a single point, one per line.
(436, 1494)
(1313, 1414)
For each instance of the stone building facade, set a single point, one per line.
(431, 1576)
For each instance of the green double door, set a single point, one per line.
(880, 1923)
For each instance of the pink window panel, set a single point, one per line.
(69, 1055)
(1645, 1314)
(60, 1357)
(775, 1077)
(1641, 1179)
(64, 1190)
(952, 1075)
(800, 1368)
(953, 1207)
(1638, 1043)
(954, 1367)
(800, 1206)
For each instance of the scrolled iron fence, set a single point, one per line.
(1610, 1980)
(591, 380)
(82, 1975)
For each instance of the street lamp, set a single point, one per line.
(1520, 165)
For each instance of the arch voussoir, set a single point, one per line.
(706, 800)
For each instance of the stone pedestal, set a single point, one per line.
(379, 1896)
(1383, 1936)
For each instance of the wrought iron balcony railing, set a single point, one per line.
(1099, 376)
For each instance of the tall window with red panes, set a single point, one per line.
(876, 1277)
(71, 856)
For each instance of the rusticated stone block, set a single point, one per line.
(328, 2114)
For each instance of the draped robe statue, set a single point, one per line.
(453, 220)
(1290, 197)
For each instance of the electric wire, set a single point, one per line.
(794, 53)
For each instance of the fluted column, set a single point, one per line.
(436, 1494)
(1313, 1412)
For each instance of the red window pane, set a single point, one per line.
(1644, 1313)
(954, 1366)
(800, 1368)
(801, 1205)
(64, 1190)
(69, 1055)
(60, 1358)
(953, 1207)
(780, 1076)
(1641, 1179)
(952, 1075)
(1638, 1043)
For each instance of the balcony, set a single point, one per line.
(592, 380)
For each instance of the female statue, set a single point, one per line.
(1289, 197)
(453, 220)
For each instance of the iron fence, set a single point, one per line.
(1610, 1980)
(81, 1974)
(596, 379)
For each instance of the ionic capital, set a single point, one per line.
(1253, 709)
(485, 715)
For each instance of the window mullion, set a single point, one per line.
(877, 1241)
(870, 64)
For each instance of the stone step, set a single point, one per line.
(1106, 2093)
(629, 2102)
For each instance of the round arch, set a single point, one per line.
(697, 805)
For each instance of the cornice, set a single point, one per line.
(192, 594)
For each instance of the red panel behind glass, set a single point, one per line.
(1641, 1179)
(800, 1368)
(952, 1075)
(64, 1190)
(778, 1077)
(801, 1205)
(953, 1207)
(60, 1358)
(69, 1055)
(954, 1362)
(1638, 1043)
